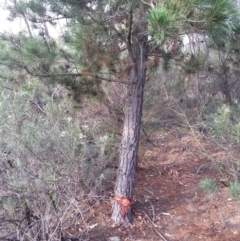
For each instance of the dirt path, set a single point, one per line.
(168, 203)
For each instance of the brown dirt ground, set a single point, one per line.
(168, 203)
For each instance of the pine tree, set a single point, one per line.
(110, 40)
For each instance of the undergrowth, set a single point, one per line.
(217, 126)
(51, 165)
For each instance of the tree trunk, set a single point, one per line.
(131, 129)
(226, 90)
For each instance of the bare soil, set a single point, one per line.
(168, 203)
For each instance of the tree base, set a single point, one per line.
(118, 218)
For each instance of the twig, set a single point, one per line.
(38, 106)
(5, 87)
(154, 217)
(5, 238)
(158, 234)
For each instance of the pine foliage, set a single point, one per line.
(217, 18)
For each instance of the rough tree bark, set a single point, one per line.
(138, 52)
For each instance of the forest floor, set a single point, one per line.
(168, 202)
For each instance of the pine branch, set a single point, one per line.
(81, 75)
(48, 19)
(24, 18)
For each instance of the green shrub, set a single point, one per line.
(223, 132)
(208, 185)
(234, 189)
(49, 163)
(224, 125)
